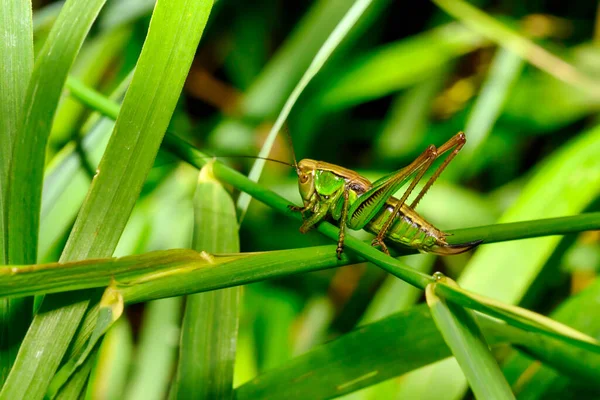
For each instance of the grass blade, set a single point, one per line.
(210, 324)
(398, 344)
(16, 63)
(157, 348)
(114, 357)
(47, 80)
(162, 68)
(463, 336)
(338, 34)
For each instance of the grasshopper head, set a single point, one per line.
(306, 178)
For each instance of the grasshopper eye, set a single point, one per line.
(303, 178)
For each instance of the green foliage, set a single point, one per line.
(105, 231)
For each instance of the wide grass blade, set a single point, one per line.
(43, 92)
(334, 39)
(146, 111)
(210, 324)
(16, 64)
(396, 345)
(462, 334)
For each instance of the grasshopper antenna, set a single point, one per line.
(289, 136)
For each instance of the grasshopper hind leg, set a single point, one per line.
(379, 243)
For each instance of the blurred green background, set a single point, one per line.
(406, 76)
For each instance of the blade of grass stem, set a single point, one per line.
(210, 323)
(159, 274)
(16, 64)
(463, 336)
(146, 111)
(338, 34)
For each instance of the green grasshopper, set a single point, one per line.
(331, 191)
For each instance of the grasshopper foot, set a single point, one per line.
(379, 243)
(296, 208)
(339, 250)
(300, 209)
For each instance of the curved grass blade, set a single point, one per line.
(111, 308)
(145, 114)
(338, 34)
(16, 63)
(210, 323)
(462, 334)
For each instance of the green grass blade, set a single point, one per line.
(379, 73)
(157, 348)
(162, 68)
(210, 323)
(462, 334)
(75, 388)
(338, 34)
(16, 63)
(43, 92)
(160, 274)
(517, 43)
(398, 344)
(517, 316)
(176, 272)
(66, 179)
(108, 379)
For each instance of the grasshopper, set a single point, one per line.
(352, 201)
